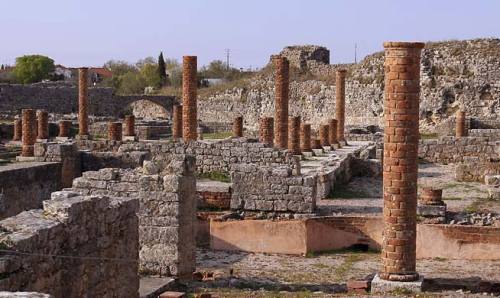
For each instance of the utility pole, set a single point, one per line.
(227, 58)
(355, 53)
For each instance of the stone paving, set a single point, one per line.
(325, 275)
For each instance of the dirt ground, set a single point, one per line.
(363, 195)
(325, 275)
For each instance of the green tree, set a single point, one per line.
(132, 83)
(162, 70)
(33, 68)
(149, 73)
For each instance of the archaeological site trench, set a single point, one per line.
(367, 175)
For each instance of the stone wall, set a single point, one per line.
(63, 99)
(166, 191)
(465, 149)
(65, 153)
(272, 189)
(77, 246)
(477, 170)
(453, 74)
(24, 186)
(215, 155)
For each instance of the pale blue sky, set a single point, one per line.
(90, 32)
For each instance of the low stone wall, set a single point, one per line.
(476, 171)
(213, 127)
(493, 133)
(166, 192)
(24, 186)
(272, 189)
(457, 150)
(77, 246)
(214, 155)
(308, 236)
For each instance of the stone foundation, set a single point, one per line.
(166, 192)
(77, 246)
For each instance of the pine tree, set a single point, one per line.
(161, 68)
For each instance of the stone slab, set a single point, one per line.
(130, 138)
(431, 210)
(317, 152)
(25, 158)
(385, 286)
(150, 287)
(307, 154)
(62, 139)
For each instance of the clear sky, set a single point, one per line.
(90, 32)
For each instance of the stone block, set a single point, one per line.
(170, 294)
(382, 286)
(431, 210)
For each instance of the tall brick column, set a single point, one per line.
(281, 81)
(305, 137)
(324, 134)
(29, 132)
(43, 125)
(83, 117)
(332, 132)
(460, 128)
(115, 131)
(340, 103)
(64, 127)
(18, 130)
(294, 135)
(177, 122)
(238, 127)
(401, 104)
(189, 109)
(266, 130)
(130, 125)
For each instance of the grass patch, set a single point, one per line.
(217, 135)
(215, 176)
(428, 136)
(440, 259)
(473, 207)
(343, 192)
(344, 268)
(452, 199)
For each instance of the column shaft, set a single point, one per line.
(266, 130)
(340, 103)
(282, 66)
(305, 137)
(83, 117)
(43, 125)
(189, 108)
(294, 135)
(29, 132)
(401, 112)
(238, 127)
(177, 122)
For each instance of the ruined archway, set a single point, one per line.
(147, 109)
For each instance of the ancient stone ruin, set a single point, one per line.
(286, 185)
